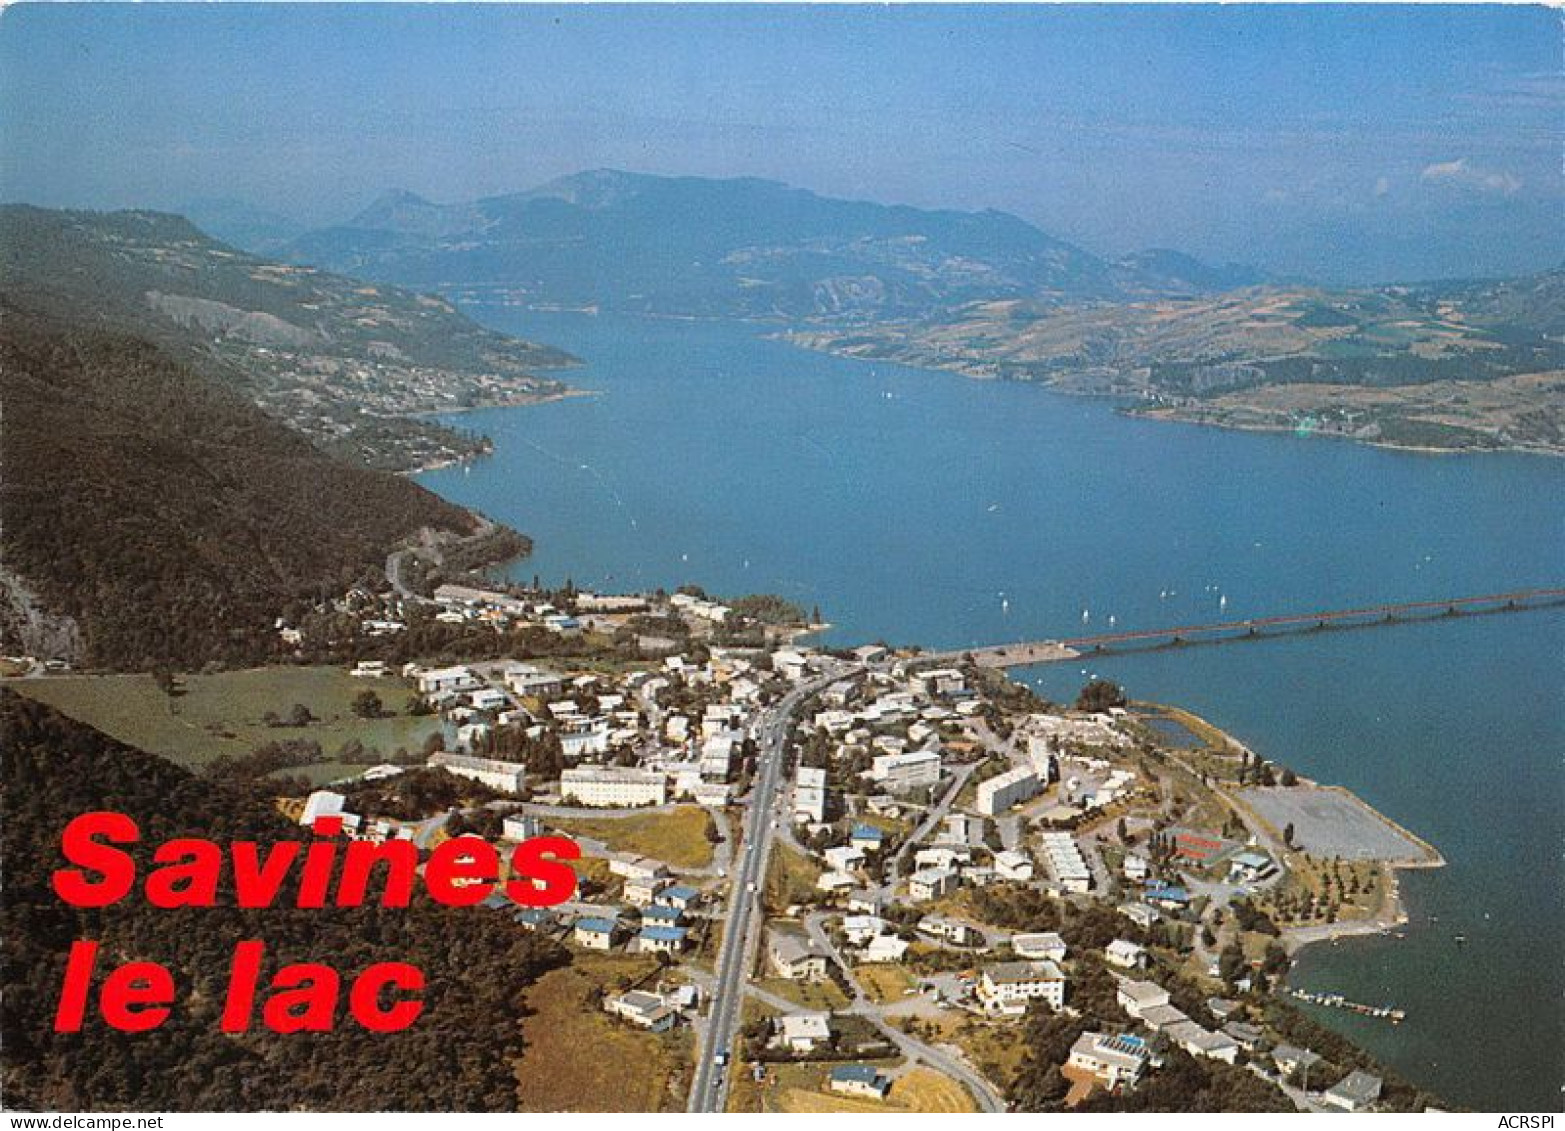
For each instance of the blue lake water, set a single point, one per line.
(921, 507)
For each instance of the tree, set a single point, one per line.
(1230, 964)
(299, 716)
(1100, 695)
(1289, 778)
(367, 704)
(167, 682)
(1287, 835)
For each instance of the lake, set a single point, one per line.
(921, 507)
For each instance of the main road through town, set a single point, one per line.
(741, 925)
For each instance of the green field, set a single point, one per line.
(578, 1058)
(222, 713)
(677, 837)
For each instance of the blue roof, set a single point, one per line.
(856, 1073)
(1172, 893)
(867, 832)
(670, 913)
(679, 891)
(534, 915)
(664, 934)
(605, 926)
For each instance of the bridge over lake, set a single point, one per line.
(1028, 652)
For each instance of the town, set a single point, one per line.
(868, 879)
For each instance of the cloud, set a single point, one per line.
(1464, 174)
(1383, 184)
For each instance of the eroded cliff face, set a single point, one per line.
(28, 629)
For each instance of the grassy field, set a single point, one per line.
(996, 1049)
(790, 879)
(578, 1058)
(826, 995)
(222, 713)
(678, 837)
(884, 982)
(1358, 888)
(802, 1089)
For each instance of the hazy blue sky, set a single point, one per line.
(1339, 142)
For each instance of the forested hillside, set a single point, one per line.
(476, 962)
(165, 513)
(346, 362)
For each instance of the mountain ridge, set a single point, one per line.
(724, 247)
(348, 363)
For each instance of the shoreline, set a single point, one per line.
(1392, 912)
(527, 401)
(1173, 416)
(802, 339)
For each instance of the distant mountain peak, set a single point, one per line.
(403, 211)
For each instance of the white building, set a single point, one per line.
(1012, 865)
(1357, 1091)
(898, 773)
(437, 680)
(585, 738)
(859, 929)
(931, 883)
(488, 699)
(642, 890)
(809, 794)
(964, 828)
(1066, 863)
(1044, 944)
(795, 957)
(803, 1032)
(1200, 1041)
(507, 777)
(321, 803)
(1136, 997)
(717, 757)
(613, 786)
(649, 1011)
(1002, 793)
(1125, 954)
(1007, 987)
(940, 681)
(884, 948)
(1115, 1060)
(633, 867)
(520, 826)
(843, 858)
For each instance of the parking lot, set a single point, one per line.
(1332, 822)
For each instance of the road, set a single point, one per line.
(741, 928)
(926, 826)
(951, 1064)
